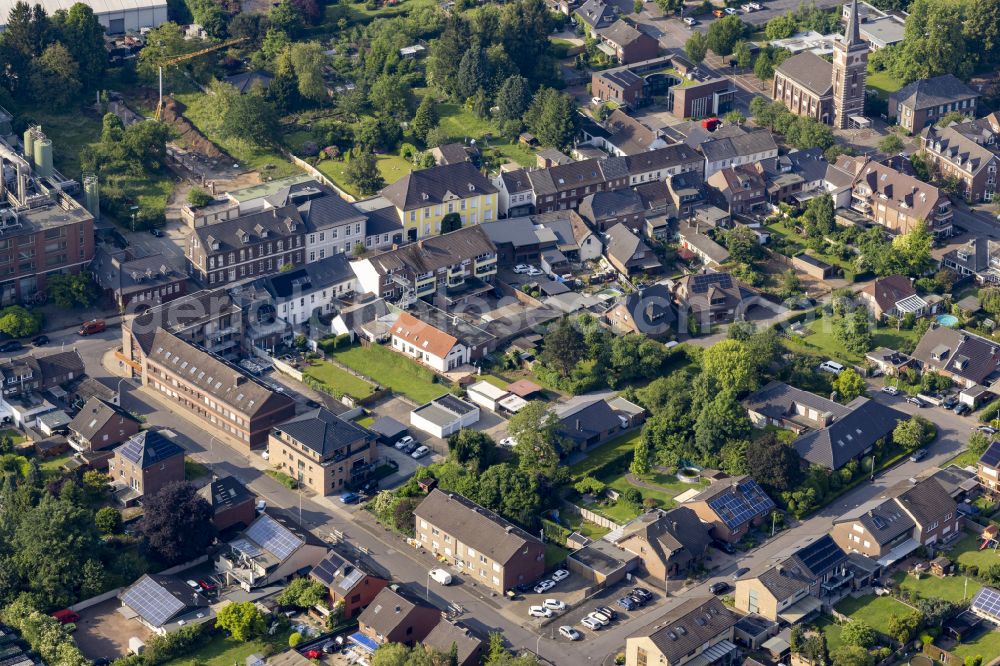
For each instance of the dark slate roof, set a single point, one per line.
(480, 528)
(926, 501)
(596, 13)
(148, 448)
(809, 71)
(452, 153)
(225, 493)
(991, 457)
(59, 364)
(974, 255)
(621, 33)
(702, 619)
(434, 252)
(882, 518)
(114, 270)
(277, 223)
(624, 245)
(747, 143)
(677, 534)
(777, 399)
(661, 158)
(445, 634)
(958, 352)
(388, 609)
(328, 272)
(651, 308)
(324, 432)
(925, 93)
(388, 427)
(850, 435)
(585, 418)
(383, 220)
(608, 204)
(440, 183)
(328, 211)
(94, 415)
(517, 180)
(781, 581)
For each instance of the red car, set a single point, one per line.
(66, 616)
(312, 654)
(208, 587)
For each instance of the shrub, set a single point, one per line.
(294, 639)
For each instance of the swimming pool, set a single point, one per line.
(951, 321)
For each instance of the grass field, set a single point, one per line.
(966, 551)
(672, 487)
(883, 83)
(823, 339)
(16, 436)
(603, 454)
(963, 459)
(54, 464)
(577, 524)
(832, 631)
(337, 381)
(392, 168)
(554, 554)
(222, 651)
(202, 115)
(393, 370)
(69, 134)
(986, 645)
(461, 124)
(873, 610)
(949, 588)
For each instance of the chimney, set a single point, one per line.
(674, 525)
(578, 425)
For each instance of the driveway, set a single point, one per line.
(103, 632)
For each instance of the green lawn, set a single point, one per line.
(193, 469)
(222, 651)
(554, 554)
(16, 436)
(69, 134)
(460, 123)
(669, 482)
(392, 167)
(54, 464)
(966, 551)
(603, 453)
(963, 459)
(823, 339)
(393, 370)
(873, 610)
(986, 645)
(832, 631)
(365, 421)
(202, 115)
(883, 83)
(337, 381)
(949, 588)
(577, 524)
(495, 381)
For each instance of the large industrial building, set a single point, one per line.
(117, 16)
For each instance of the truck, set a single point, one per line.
(93, 326)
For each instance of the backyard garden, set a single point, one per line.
(388, 369)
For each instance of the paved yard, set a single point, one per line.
(103, 632)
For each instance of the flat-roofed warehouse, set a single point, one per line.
(117, 16)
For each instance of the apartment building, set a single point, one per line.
(30, 373)
(226, 399)
(422, 198)
(924, 102)
(956, 153)
(514, 194)
(333, 226)
(139, 282)
(565, 186)
(896, 200)
(738, 149)
(451, 264)
(144, 464)
(700, 630)
(494, 552)
(322, 451)
(247, 246)
(300, 293)
(626, 44)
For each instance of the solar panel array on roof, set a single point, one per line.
(273, 537)
(821, 554)
(737, 508)
(351, 579)
(150, 600)
(755, 496)
(987, 600)
(453, 404)
(701, 283)
(327, 569)
(991, 458)
(247, 548)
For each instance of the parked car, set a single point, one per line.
(690, 22)
(832, 367)
(569, 633)
(724, 546)
(949, 402)
(535, 272)
(66, 616)
(731, 11)
(312, 404)
(554, 604)
(440, 576)
(915, 401)
(40, 340)
(739, 572)
(600, 619)
(420, 452)
(156, 232)
(401, 444)
(625, 603)
(411, 447)
(756, 6)
(596, 101)
(636, 599)
(718, 13)
(508, 442)
(312, 653)
(987, 429)
(11, 346)
(891, 390)
(962, 408)
(350, 498)
(643, 593)
(539, 611)
(746, 8)
(523, 268)
(718, 588)
(544, 586)
(560, 575)
(195, 586)
(918, 455)
(608, 611)
(93, 326)
(207, 586)
(591, 623)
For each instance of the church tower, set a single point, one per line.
(850, 60)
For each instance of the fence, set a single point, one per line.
(586, 514)
(287, 369)
(318, 175)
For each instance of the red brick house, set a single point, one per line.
(348, 582)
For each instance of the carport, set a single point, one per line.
(388, 429)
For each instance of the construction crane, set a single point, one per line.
(189, 56)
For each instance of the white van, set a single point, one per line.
(441, 576)
(832, 367)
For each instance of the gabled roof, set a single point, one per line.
(890, 290)
(628, 134)
(158, 599)
(429, 254)
(892, 187)
(809, 71)
(114, 270)
(437, 185)
(777, 400)
(245, 81)
(991, 457)
(926, 500)
(324, 432)
(850, 435)
(650, 309)
(262, 226)
(328, 211)
(225, 493)
(958, 352)
(927, 93)
(585, 417)
(736, 501)
(59, 364)
(94, 415)
(480, 528)
(676, 534)
(423, 336)
(621, 33)
(388, 609)
(147, 448)
(516, 180)
(739, 145)
(625, 245)
(339, 574)
(445, 634)
(688, 626)
(957, 149)
(312, 277)
(595, 12)
(611, 203)
(674, 155)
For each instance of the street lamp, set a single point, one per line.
(120, 390)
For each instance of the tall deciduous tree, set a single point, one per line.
(775, 465)
(55, 77)
(242, 619)
(177, 523)
(472, 448)
(724, 33)
(730, 363)
(696, 47)
(362, 172)
(563, 347)
(720, 420)
(849, 385)
(81, 32)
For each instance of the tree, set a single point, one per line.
(198, 197)
(933, 42)
(510, 491)
(534, 430)
(989, 300)
(781, 27)
(908, 434)
(177, 523)
(775, 465)
(472, 449)
(303, 593)
(860, 634)
(390, 94)
(18, 322)
(763, 69)
(473, 73)
(305, 60)
(720, 420)
(55, 77)
(820, 211)
(426, 118)
(552, 117)
(69, 290)
(363, 173)
(852, 655)
(890, 144)
(791, 286)
(724, 33)
(82, 33)
(696, 47)
(743, 54)
(562, 347)
(286, 17)
(513, 98)
(730, 364)
(912, 250)
(243, 620)
(849, 385)
(978, 443)
(250, 117)
(640, 458)
(108, 520)
(982, 29)
(451, 222)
